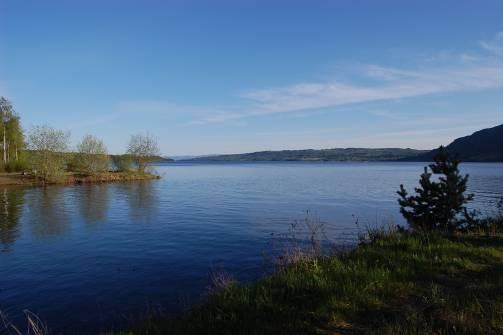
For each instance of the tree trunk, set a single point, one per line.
(4, 145)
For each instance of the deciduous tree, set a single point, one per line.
(92, 156)
(143, 149)
(48, 152)
(11, 136)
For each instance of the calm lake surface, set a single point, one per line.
(95, 257)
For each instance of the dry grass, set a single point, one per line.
(34, 326)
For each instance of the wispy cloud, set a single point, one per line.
(397, 84)
(495, 45)
(469, 72)
(187, 114)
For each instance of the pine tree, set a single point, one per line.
(438, 204)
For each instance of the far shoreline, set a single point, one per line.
(312, 161)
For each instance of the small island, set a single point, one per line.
(45, 156)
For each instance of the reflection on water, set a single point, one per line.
(11, 209)
(155, 241)
(143, 201)
(93, 202)
(47, 212)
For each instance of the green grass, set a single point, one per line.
(401, 283)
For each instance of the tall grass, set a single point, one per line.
(34, 326)
(395, 282)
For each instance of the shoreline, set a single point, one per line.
(395, 283)
(18, 179)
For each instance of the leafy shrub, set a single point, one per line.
(122, 163)
(48, 158)
(16, 166)
(92, 156)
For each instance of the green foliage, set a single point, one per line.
(48, 157)
(91, 157)
(144, 149)
(122, 163)
(21, 164)
(11, 138)
(437, 204)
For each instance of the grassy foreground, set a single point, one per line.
(398, 283)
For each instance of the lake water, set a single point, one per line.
(95, 257)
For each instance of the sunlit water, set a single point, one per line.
(95, 257)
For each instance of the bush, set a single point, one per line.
(122, 163)
(48, 156)
(92, 156)
(17, 166)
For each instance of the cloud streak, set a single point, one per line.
(496, 45)
(396, 84)
(474, 73)
(468, 72)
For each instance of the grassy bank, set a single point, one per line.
(13, 179)
(400, 283)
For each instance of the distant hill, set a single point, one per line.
(160, 159)
(190, 157)
(155, 159)
(349, 154)
(482, 146)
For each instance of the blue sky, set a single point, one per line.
(238, 76)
